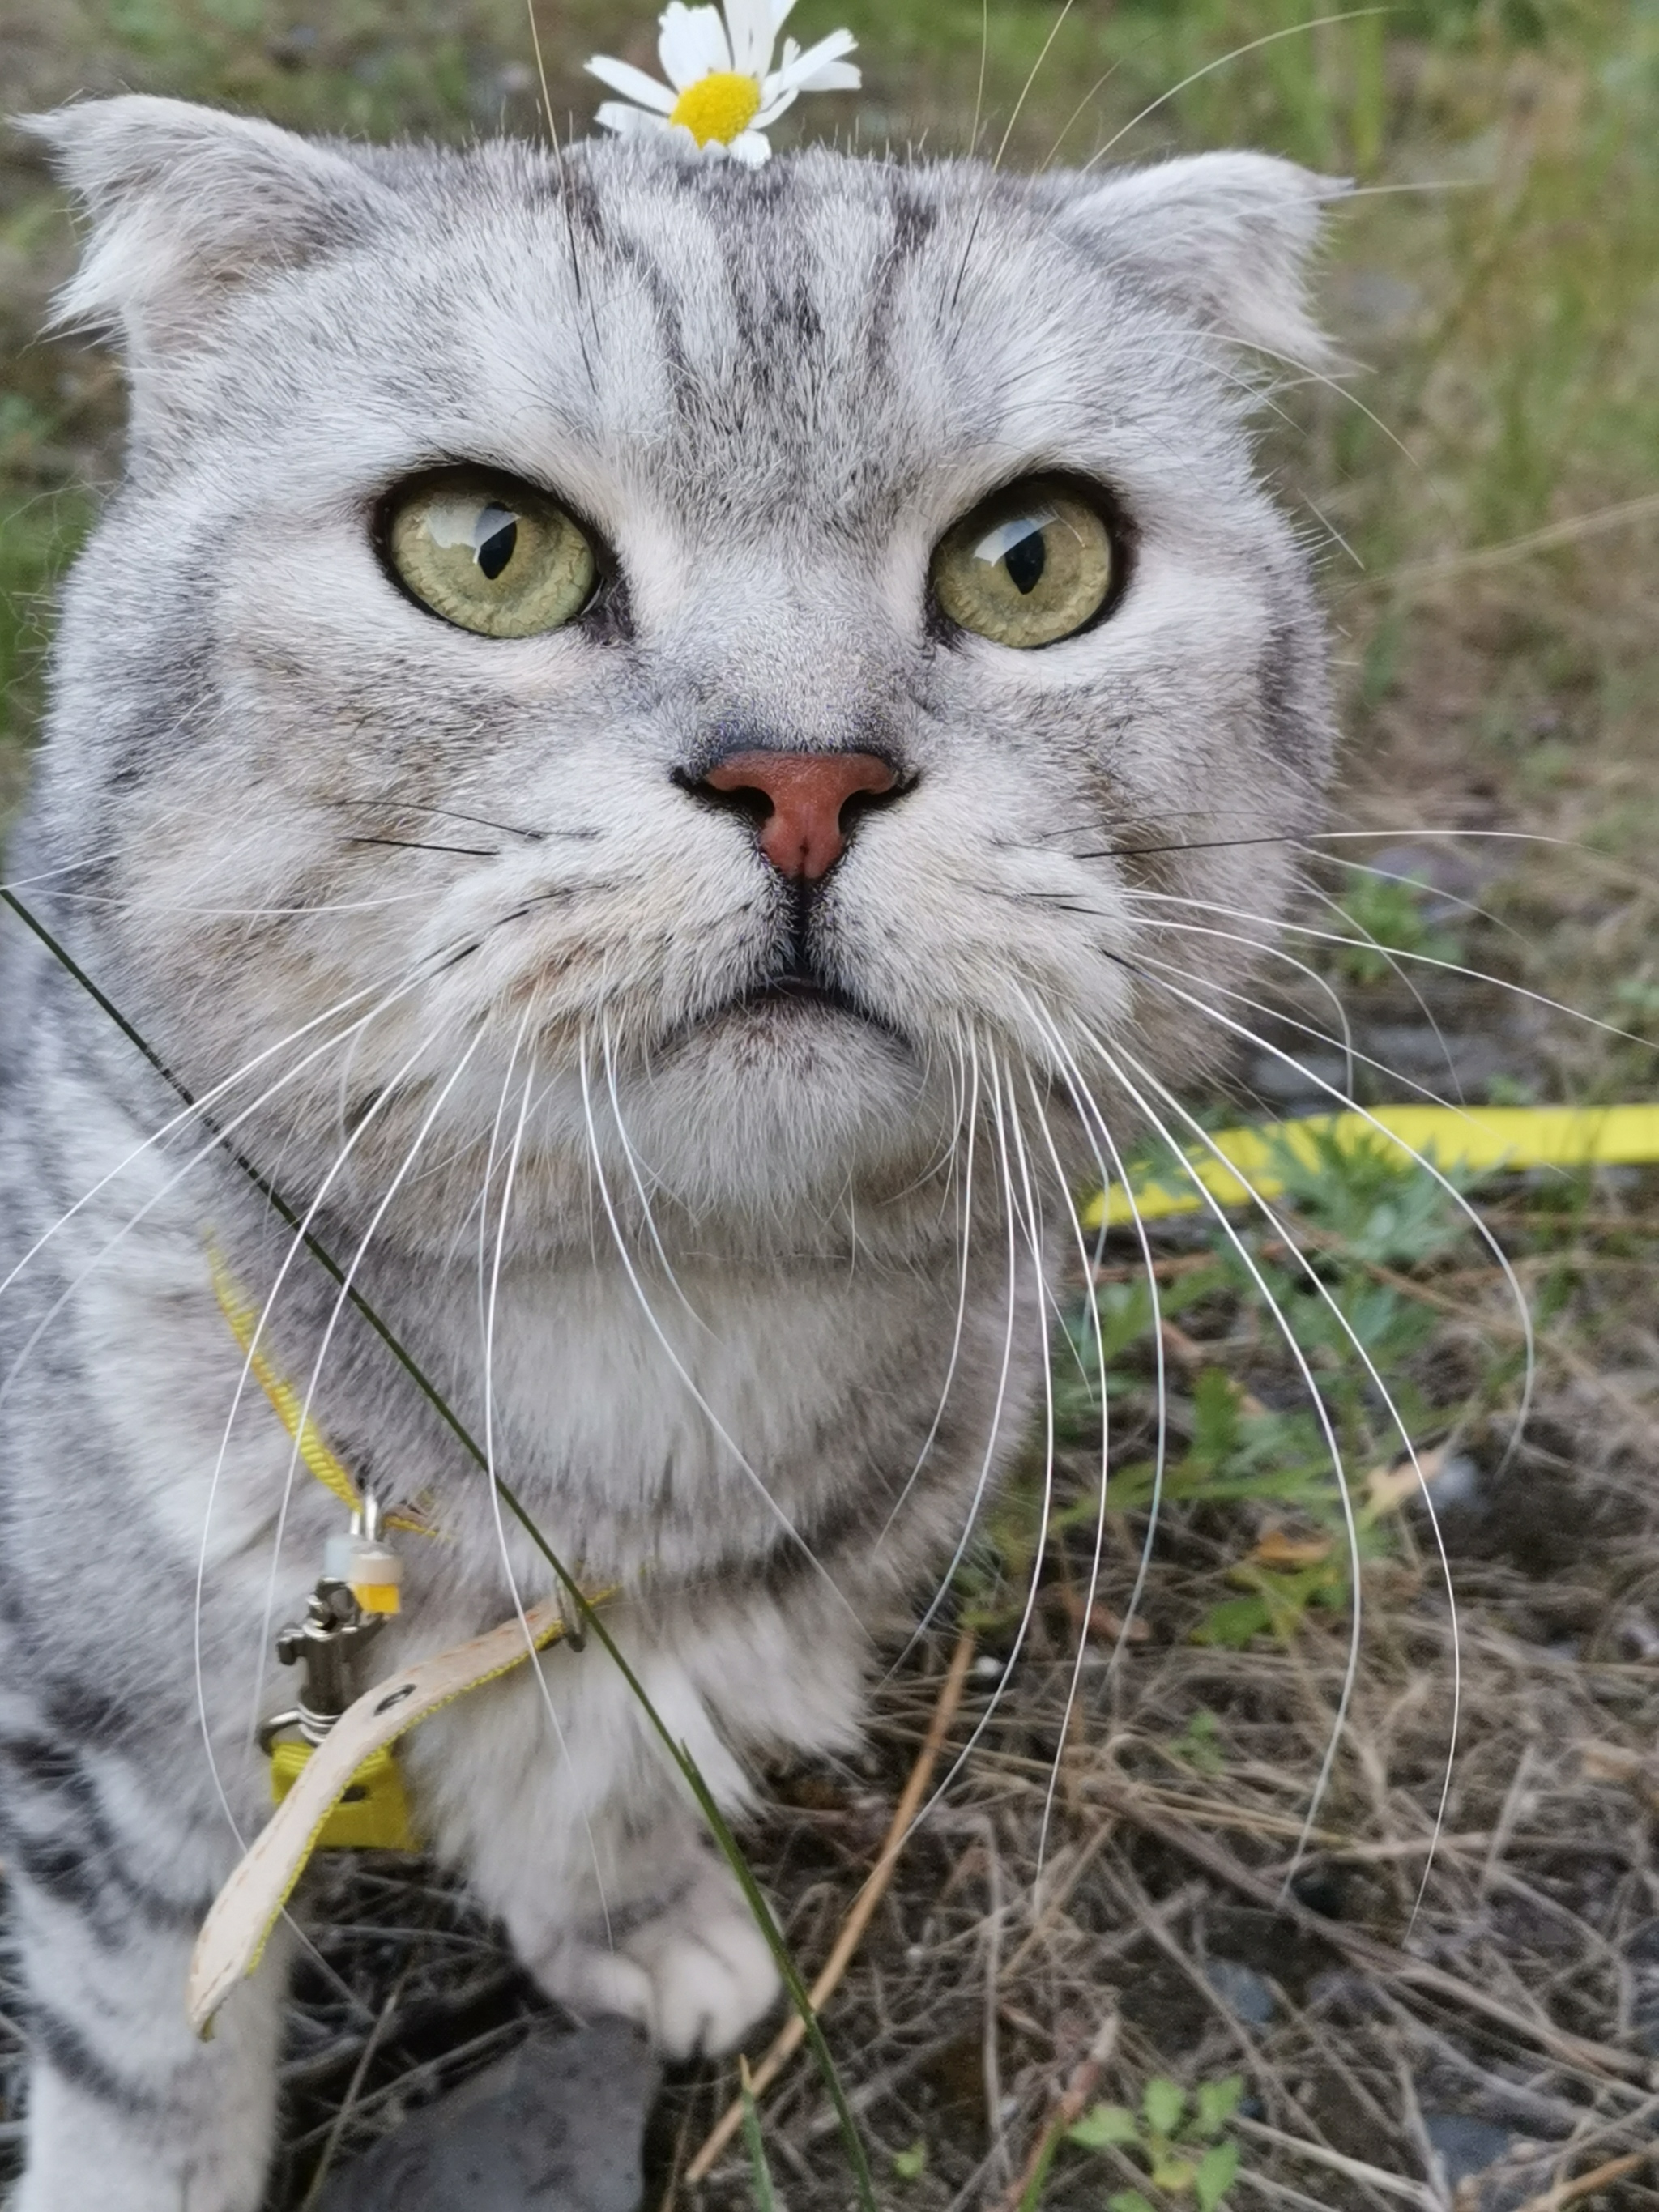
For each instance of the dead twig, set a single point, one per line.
(1569, 2192)
(791, 2036)
(1335, 2161)
(1068, 2110)
(1396, 1967)
(331, 2144)
(1195, 1356)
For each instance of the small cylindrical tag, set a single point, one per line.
(375, 1574)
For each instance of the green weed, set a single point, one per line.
(910, 2164)
(38, 530)
(1199, 1744)
(1297, 1429)
(1391, 917)
(1180, 2140)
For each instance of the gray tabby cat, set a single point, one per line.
(628, 731)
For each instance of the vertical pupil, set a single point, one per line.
(494, 537)
(1025, 561)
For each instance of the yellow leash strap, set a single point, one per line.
(234, 1934)
(327, 1468)
(1479, 1136)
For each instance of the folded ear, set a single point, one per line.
(185, 203)
(1226, 236)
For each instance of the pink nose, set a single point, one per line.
(801, 835)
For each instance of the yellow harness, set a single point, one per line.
(371, 1809)
(340, 1789)
(372, 1813)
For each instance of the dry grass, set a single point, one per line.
(1484, 1990)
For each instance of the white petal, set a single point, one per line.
(798, 73)
(769, 114)
(750, 23)
(835, 76)
(692, 43)
(623, 77)
(780, 12)
(750, 148)
(628, 121)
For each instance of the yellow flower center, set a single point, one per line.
(718, 106)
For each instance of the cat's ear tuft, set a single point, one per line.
(185, 202)
(1226, 236)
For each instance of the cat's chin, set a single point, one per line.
(783, 1094)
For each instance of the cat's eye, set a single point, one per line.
(490, 555)
(1027, 567)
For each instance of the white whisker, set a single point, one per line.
(1155, 968)
(199, 1107)
(966, 1219)
(1008, 1129)
(215, 1144)
(1387, 954)
(1237, 54)
(1470, 1212)
(1090, 1116)
(295, 1246)
(1093, 1305)
(637, 1177)
(679, 1365)
(984, 1476)
(1315, 1398)
(536, 1666)
(1321, 1290)
(1470, 906)
(291, 1471)
(350, 1276)
(1423, 959)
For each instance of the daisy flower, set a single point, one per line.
(722, 88)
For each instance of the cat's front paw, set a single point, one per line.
(696, 1975)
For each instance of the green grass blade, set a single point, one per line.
(760, 2172)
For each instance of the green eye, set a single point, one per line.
(490, 555)
(1027, 566)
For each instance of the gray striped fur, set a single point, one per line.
(771, 392)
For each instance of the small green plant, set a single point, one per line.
(1636, 998)
(1199, 1744)
(1391, 917)
(910, 2165)
(1180, 2140)
(1316, 1358)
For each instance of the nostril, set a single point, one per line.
(805, 804)
(855, 807)
(746, 799)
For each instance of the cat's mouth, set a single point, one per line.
(806, 992)
(796, 998)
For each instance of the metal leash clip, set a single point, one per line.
(354, 1597)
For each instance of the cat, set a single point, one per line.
(617, 733)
